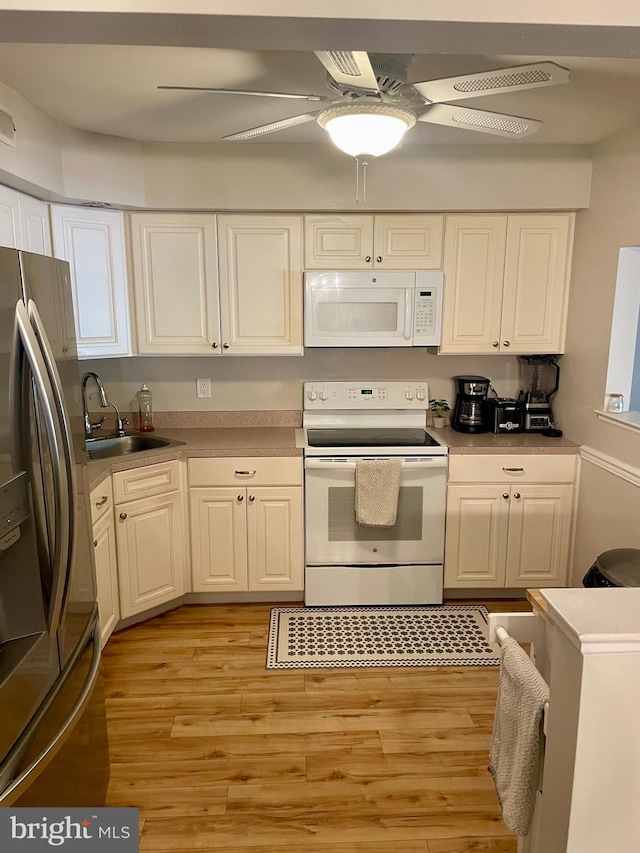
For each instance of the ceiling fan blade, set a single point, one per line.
(498, 124)
(253, 132)
(247, 92)
(349, 68)
(492, 82)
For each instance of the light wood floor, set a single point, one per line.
(222, 755)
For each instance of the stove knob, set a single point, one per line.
(408, 395)
(421, 394)
(324, 396)
(312, 395)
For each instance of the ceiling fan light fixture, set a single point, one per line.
(372, 129)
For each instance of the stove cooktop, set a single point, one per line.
(371, 437)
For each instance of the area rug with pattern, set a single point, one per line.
(435, 635)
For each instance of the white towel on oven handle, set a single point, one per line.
(377, 491)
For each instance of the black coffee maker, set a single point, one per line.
(471, 411)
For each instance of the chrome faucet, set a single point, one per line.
(91, 426)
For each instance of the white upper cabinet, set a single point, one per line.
(506, 283)
(175, 278)
(24, 222)
(261, 284)
(93, 243)
(391, 241)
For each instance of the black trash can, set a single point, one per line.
(619, 567)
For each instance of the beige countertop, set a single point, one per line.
(225, 441)
(489, 442)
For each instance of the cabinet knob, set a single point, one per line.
(495, 344)
(246, 473)
(379, 259)
(214, 345)
(506, 343)
(103, 501)
(505, 495)
(240, 498)
(517, 495)
(252, 498)
(225, 346)
(123, 516)
(368, 259)
(95, 543)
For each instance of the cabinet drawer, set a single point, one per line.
(146, 482)
(101, 499)
(249, 470)
(516, 468)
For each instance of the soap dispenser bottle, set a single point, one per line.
(146, 410)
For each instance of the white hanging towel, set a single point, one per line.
(377, 491)
(517, 745)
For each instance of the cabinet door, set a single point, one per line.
(274, 525)
(338, 242)
(106, 563)
(151, 552)
(261, 284)
(474, 249)
(175, 278)
(476, 538)
(536, 282)
(407, 242)
(218, 539)
(9, 218)
(35, 226)
(93, 243)
(540, 523)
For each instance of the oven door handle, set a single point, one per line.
(329, 464)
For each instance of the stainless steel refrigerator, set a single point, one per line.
(53, 738)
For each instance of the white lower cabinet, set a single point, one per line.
(246, 533)
(151, 537)
(509, 521)
(106, 560)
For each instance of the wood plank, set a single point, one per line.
(166, 802)
(470, 739)
(388, 678)
(340, 765)
(168, 774)
(474, 845)
(118, 686)
(382, 699)
(311, 847)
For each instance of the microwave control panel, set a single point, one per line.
(427, 309)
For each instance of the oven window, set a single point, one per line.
(357, 316)
(344, 528)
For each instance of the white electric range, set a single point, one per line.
(350, 563)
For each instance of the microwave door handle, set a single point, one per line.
(52, 425)
(67, 446)
(408, 313)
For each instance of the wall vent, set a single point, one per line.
(7, 128)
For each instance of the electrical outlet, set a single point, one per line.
(203, 388)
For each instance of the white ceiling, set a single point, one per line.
(112, 90)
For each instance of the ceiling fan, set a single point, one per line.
(373, 106)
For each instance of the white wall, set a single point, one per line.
(609, 507)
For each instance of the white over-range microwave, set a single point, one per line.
(373, 309)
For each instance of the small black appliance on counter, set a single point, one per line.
(539, 376)
(471, 411)
(505, 414)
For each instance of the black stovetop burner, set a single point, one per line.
(370, 437)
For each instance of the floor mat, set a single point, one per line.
(440, 635)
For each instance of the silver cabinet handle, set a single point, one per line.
(495, 343)
(252, 498)
(123, 516)
(214, 345)
(368, 259)
(517, 495)
(225, 346)
(506, 343)
(379, 259)
(240, 498)
(102, 502)
(246, 473)
(513, 469)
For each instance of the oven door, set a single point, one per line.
(359, 309)
(333, 537)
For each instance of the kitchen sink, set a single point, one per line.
(123, 445)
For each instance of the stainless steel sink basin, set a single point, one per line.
(103, 448)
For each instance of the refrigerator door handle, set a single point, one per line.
(53, 428)
(67, 448)
(18, 785)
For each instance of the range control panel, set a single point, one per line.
(366, 395)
